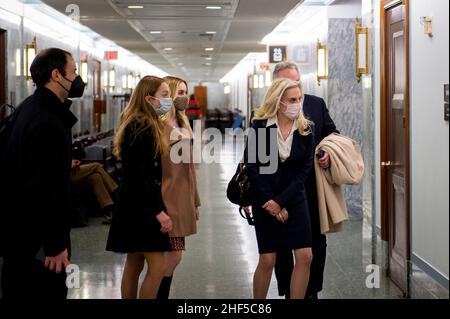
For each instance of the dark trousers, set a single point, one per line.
(28, 278)
(284, 265)
(285, 260)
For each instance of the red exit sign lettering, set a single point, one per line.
(111, 55)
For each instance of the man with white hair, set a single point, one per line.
(315, 110)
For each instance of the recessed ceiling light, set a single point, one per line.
(168, 49)
(210, 32)
(208, 64)
(213, 7)
(155, 32)
(208, 58)
(209, 49)
(135, 7)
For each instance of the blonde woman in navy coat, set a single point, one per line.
(280, 206)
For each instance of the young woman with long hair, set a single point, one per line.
(179, 182)
(140, 224)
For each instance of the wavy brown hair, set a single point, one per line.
(173, 83)
(142, 116)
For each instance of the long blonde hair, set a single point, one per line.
(139, 112)
(272, 100)
(182, 119)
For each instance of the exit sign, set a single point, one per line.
(111, 55)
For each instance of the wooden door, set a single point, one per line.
(99, 106)
(395, 140)
(201, 95)
(2, 71)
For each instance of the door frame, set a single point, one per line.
(3, 69)
(385, 218)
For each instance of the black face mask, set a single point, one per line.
(77, 87)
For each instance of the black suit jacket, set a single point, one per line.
(35, 178)
(288, 182)
(316, 111)
(141, 173)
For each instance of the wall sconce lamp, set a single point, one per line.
(137, 78)
(19, 56)
(268, 78)
(30, 54)
(84, 70)
(255, 81)
(112, 78)
(130, 80)
(362, 50)
(105, 79)
(261, 81)
(322, 62)
(427, 23)
(124, 82)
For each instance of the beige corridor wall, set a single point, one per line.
(430, 135)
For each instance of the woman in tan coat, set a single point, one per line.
(179, 182)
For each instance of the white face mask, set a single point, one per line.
(292, 111)
(165, 105)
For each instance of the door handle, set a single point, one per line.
(386, 164)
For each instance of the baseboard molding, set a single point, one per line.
(424, 266)
(430, 270)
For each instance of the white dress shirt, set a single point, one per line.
(284, 146)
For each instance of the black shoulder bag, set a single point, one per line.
(238, 190)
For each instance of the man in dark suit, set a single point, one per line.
(35, 186)
(315, 110)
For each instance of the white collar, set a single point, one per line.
(272, 121)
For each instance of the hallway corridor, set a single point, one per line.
(355, 92)
(220, 259)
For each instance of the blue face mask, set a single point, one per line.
(165, 105)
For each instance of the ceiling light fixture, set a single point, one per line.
(168, 49)
(210, 32)
(155, 32)
(209, 49)
(135, 7)
(213, 7)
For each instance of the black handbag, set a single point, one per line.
(238, 190)
(250, 219)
